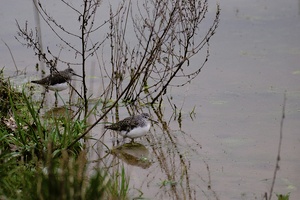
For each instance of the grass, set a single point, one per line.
(35, 161)
(283, 196)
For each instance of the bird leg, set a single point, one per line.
(56, 100)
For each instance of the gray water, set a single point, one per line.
(238, 97)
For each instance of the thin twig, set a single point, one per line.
(279, 146)
(12, 57)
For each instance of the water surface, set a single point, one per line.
(230, 146)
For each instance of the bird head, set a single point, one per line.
(72, 72)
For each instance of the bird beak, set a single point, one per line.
(153, 121)
(77, 75)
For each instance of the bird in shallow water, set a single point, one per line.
(132, 127)
(58, 80)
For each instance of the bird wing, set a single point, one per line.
(126, 124)
(58, 78)
(129, 124)
(55, 78)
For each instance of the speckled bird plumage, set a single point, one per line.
(57, 78)
(132, 127)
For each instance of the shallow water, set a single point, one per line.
(228, 151)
